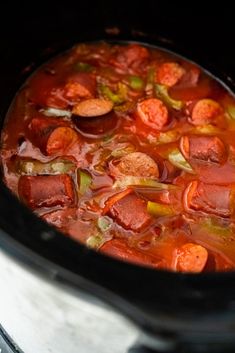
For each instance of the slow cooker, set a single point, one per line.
(58, 296)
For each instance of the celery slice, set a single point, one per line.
(231, 111)
(104, 223)
(56, 112)
(159, 210)
(117, 98)
(136, 83)
(95, 241)
(85, 181)
(34, 167)
(178, 160)
(162, 93)
(139, 181)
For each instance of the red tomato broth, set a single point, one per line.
(141, 217)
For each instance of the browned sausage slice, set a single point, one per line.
(81, 85)
(52, 135)
(46, 191)
(191, 258)
(204, 148)
(170, 73)
(60, 140)
(93, 107)
(153, 113)
(205, 111)
(130, 212)
(130, 56)
(138, 164)
(213, 199)
(40, 128)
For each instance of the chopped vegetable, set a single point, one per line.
(104, 223)
(158, 210)
(95, 241)
(168, 136)
(34, 167)
(178, 160)
(93, 107)
(117, 98)
(100, 161)
(162, 93)
(83, 67)
(85, 181)
(56, 112)
(126, 107)
(207, 129)
(231, 111)
(151, 75)
(138, 181)
(213, 227)
(122, 151)
(136, 83)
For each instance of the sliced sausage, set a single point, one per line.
(130, 212)
(46, 191)
(170, 73)
(204, 148)
(93, 107)
(99, 126)
(115, 198)
(41, 127)
(153, 113)
(138, 164)
(119, 249)
(191, 258)
(130, 56)
(190, 77)
(80, 85)
(60, 140)
(212, 199)
(52, 135)
(205, 111)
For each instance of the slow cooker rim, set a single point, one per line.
(165, 44)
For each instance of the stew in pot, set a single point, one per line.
(130, 150)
